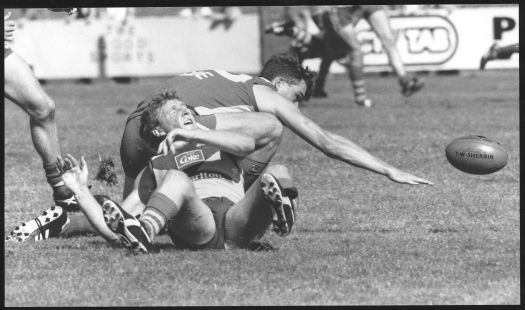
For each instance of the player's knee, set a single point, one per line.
(206, 230)
(179, 180)
(42, 108)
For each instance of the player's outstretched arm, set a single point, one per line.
(332, 145)
(75, 177)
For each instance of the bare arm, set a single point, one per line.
(330, 144)
(75, 177)
(262, 127)
(230, 141)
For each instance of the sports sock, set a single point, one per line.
(54, 178)
(359, 90)
(251, 171)
(358, 82)
(158, 210)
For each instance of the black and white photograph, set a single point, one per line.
(280, 154)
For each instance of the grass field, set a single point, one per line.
(360, 239)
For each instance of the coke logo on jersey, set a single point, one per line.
(188, 158)
(421, 40)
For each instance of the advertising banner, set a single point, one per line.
(57, 49)
(154, 46)
(442, 39)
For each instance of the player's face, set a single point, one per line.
(293, 92)
(175, 114)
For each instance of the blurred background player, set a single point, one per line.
(338, 41)
(22, 88)
(498, 52)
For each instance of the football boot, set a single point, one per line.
(47, 225)
(260, 246)
(366, 103)
(282, 203)
(411, 85)
(130, 230)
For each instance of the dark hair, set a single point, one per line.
(150, 115)
(290, 69)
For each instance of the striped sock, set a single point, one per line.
(153, 222)
(359, 90)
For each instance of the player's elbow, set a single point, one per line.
(246, 148)
(271, 130)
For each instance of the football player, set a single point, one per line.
(282, 84)
(22, 88)
(164, 111)
(208, 208)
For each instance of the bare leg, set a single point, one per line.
(190, 218)
(249, 218)
(22, 87)
(380, 23)
(354, 64)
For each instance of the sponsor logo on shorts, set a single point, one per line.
(189, 158)
(207, 175)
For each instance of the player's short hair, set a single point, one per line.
(150, 115)
(290, 69)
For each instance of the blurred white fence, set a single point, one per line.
(165, 45)
(147, 46)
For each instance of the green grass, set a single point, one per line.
(360, 239)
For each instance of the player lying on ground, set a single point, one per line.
(282, 84)
(22, 88)
(337, 40)
(498, 52)
(211, 170)
(197, 194)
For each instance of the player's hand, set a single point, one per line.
(9, 28)
(399, 176)
(175, 139)
(74, 175)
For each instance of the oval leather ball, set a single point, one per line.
(476, 155)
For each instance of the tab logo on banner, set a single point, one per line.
(421, 40)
